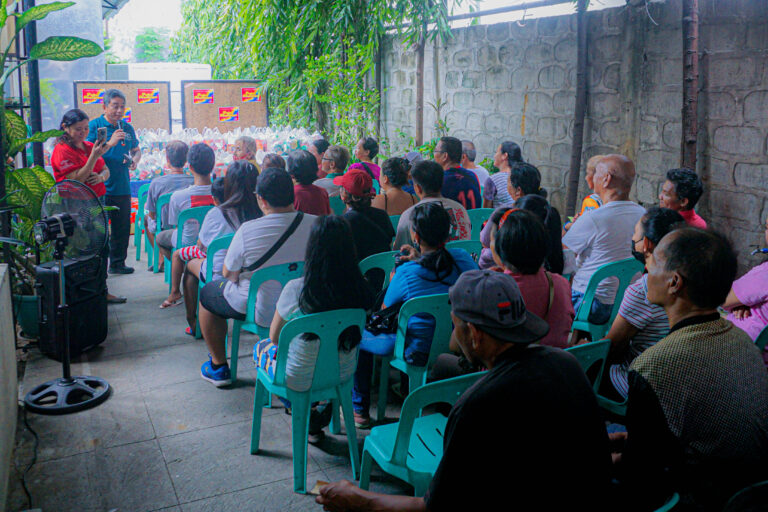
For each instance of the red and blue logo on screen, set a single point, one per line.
(229, 114)
(202, 96)
(93, 96)
(148, 95)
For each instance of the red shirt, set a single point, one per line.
(692, 218)
(311, 199)
(66, 159)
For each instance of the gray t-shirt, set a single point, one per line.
(163, 185)
(190, 197)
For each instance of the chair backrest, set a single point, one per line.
(590, 354)
(670, 504)
(473, 247)
(383, 260)
(337, 205)
(280, 273)
(162, 201)
(395, 220)
(753, 497)
(197, 213)
(762, 339)
(624, 271)
(442, 391)
(327, 326)
(477, 217)
(219, 244)
(142, 194)
(437, 306)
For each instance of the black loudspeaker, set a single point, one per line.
(86, 295)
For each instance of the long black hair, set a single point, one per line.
(433, 225)
(332, 279)
(514, 154)
(522, 241)
(69, 118)
(550, 217)
(527, 178)
(239, 190)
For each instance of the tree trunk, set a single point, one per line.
(377, 80)
(690, 83)
(420, 86)
(580, 110)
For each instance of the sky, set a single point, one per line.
(138, 14)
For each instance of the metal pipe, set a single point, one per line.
(33, 74)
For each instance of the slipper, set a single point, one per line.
(117, 299)
(167, 304)
(189, 331)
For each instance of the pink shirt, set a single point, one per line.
(692, 218)
(375, 169)
(535, 291)
(752, 290)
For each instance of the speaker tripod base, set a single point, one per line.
(67, 395)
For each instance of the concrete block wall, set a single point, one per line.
(510, 81)
(8, 383)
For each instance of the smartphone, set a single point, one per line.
(101, 134)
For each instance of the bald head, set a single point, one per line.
(621, 171)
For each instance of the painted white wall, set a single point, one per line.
(8, 383)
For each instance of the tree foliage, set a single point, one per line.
(153, 45)
(315, 57)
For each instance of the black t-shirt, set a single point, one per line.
(372, 231)
(527, 436)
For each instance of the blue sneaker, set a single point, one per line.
(218, 378)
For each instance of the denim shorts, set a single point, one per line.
(598, 315)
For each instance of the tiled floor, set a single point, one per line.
(165, 439)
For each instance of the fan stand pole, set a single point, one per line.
(67, 394)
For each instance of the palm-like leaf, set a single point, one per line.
(64, 48)
(39, 12)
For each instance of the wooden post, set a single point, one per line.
(580, 110)
(420, 86)
(690, 84)
(377, 79)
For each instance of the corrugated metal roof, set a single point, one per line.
(111, 7)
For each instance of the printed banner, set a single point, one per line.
(127, 115)
(148, 96)
(250, 94)
(93, 96)
(229, 114)
(202, 96)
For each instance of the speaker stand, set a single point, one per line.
(67, 394)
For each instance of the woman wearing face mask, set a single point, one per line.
(639, 324)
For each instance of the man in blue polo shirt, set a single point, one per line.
(459, 184)
(120, 159)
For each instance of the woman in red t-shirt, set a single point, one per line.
(74, 158)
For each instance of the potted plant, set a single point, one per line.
(27, 186)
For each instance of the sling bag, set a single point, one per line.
(280, 241)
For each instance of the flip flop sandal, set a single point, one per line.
(167, 304)
(189, 331)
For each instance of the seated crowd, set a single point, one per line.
(694, 384)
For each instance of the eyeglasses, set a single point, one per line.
(438, 151)
(327, 159)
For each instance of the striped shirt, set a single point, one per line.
(495, 189)
(649, 319)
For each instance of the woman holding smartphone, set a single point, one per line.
(74, 158)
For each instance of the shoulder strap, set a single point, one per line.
(385, 201)
(368, 170)
(551, 294)
(280, 241)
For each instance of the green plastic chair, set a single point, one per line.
(437, 306)
(473, 247)
(477, 217)
(411, 448)
(161, 202)
(197, 213)
(138, 222)
(326, 385)
(762, 339)
(589, 354)
(383, 260)
(219, 244)
(280, 273)
(395, 220)
(670, 504)
(747, 498)
(624, 270)
(337, 205)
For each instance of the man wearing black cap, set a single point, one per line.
(526, 436)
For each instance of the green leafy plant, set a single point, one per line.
(27, 186)
(153, 45)
(488, 164)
